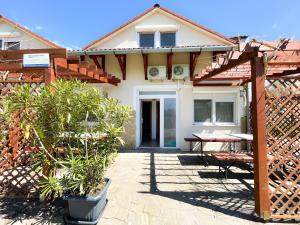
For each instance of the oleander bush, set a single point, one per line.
(76, 130)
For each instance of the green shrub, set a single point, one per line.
(76, 130)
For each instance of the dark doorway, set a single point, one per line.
(150, 123)
(146, 121)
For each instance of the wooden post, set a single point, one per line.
(261, 183)
(145, 62)
(122, 62)
(193, 62)
(169, 65)
(50, 73)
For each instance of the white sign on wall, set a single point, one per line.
(36, 60)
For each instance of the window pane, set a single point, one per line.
(12, 45)
(224, 112)
(0, 44)
(202, 110)
(146, 40)
(170, 122)
(167, 39)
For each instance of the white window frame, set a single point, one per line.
(5, 40)
(164, 32)
(215, 113)
(212, 111)
(157, 37)
(218, 97)
(157, 88)
(149, 32)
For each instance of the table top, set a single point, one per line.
(223, 137)
(248, 137)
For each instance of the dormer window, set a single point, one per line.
(9, 45)
(168, 39)
(146, 40)
(12, 45)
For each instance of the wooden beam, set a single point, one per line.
(261, 182)
(243, 58)
(145, 63)
(18, 54)
(193, 62)
(214, 84)
(285, 73)
(122, 62)
(169, 65)
(73, 59)
(100, 64)
(23, 81)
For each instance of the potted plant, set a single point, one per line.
(77, 131)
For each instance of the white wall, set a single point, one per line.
(125, 92)
(186, 34)
(27, 41)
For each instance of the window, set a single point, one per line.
(202, 111)
(0, 44)
(167, 39)
(12, 45)
(146, 40)
(224, 112)
(215, 109)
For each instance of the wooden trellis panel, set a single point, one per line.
(17, 177)
(283, 145)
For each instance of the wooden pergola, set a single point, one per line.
(62, 66)
(275, 108)
(234, 67)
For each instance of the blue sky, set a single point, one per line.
(76, 23)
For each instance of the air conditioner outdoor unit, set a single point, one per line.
(180, 71)
(156, 72)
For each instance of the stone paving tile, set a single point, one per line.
(158, 188)
(175, 189)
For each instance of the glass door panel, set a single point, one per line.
(169, 122)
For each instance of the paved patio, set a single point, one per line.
(159, 188)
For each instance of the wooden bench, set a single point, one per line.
(229, 158)
(191, 140)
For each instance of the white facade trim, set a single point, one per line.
(137, 99)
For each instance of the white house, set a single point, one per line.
(14, 36)
(156, 55)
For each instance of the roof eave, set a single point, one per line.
(155, 50)
(44, 40)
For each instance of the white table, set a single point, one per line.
(231, 138)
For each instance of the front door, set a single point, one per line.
(158, 119)
(150, 117)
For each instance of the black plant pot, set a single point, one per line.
(86, 210)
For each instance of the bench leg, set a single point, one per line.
(219, 169)
(226, 169)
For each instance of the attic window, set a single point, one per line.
(168, 39)
(12, 45)
(146, 40)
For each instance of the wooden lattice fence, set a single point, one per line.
(283, 145)
(17, 177)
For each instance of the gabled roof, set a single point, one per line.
(167, 11)
(44, 40)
